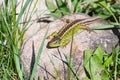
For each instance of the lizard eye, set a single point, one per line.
(57, 42)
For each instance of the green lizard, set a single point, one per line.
(62, 37)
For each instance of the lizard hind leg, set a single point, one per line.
(85, 28)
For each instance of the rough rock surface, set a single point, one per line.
(49, 61)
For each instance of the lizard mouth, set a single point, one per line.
(50, 47)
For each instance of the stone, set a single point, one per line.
(50, 65)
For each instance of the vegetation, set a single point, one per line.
(98, 64)
(11, 38)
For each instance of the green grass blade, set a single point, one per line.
(17, 62)
(70, 66)
(103, 27)
(38, 56)
(22, 11)
(104, 5)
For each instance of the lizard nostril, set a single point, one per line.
(48, 45)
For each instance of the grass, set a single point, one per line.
(108, 64)
(38, 58)
(11, 38)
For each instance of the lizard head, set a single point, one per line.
(54, 43)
